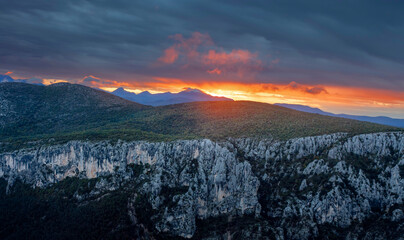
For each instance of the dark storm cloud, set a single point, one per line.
(357, 43)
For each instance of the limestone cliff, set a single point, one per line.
(325, 186)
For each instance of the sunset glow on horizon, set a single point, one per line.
(336, 99)
(323, 56)
(331, 98)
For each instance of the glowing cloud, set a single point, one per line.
(215, 71)
(312, 90)
(234, 57)
(190, 46)
(199, 50)
(187, 47)
(170, 56)
(97, 82)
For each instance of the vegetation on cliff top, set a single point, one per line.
(63, 112)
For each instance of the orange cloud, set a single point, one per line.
(97, 82)
(234, 57)
(187, 47)
(249, 91)
(199, 50)
(215, 71)
(237, 61)
(8, 73)
(170, 56)
(190, 46)
(48, 81)
(308, 89)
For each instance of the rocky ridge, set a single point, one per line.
(325, 186)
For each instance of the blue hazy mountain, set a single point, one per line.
(167, 98)
(7, 78)
(380, 120)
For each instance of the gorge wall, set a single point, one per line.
(314, 187)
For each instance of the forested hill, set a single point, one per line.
(63, 111)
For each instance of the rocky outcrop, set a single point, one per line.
(201, 178)
(325, 186)
(329, 180)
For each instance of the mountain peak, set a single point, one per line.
(158, 99)
(145, 93)
(120, 90)
(192, 90)
(6, 78)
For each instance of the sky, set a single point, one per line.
(341, 56)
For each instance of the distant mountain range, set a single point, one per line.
(196, 95)
(7, 78)
(167, 98)
(380, 120)
(66, 111)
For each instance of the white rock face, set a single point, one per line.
(215, 182)
(332, 179)
(293, 188)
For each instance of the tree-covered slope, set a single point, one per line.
(62, 112)
(218, 120)
(27, 109)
